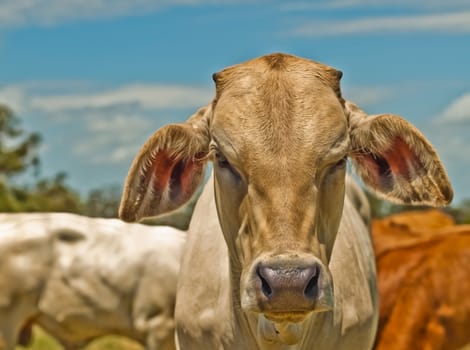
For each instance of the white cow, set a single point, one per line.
(80, 278)
(277, 257)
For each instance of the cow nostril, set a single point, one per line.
(265, 287)
(311, 290)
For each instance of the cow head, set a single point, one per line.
(279, 133)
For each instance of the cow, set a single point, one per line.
(407, 228)
(80, 278)
(26, 260)
(359, 200)
(424, 289)
(277, 257)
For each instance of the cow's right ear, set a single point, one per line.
(168, 168)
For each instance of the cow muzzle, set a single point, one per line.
(290, 289)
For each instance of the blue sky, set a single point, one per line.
(97, 77)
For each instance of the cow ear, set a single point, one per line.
(396, 161)
(168, 169)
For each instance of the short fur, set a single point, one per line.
(280, 132)
(81, 278)
(422, 277)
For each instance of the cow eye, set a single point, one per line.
(222, 162)
(340, 164)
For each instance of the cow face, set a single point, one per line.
(278, 133)
(280, 139)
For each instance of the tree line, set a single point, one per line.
(19, 154)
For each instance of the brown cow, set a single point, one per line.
(422, 283)
(407, 228)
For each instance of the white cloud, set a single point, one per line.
(455, 22)
(343, 4)
(19, 96)
(112, 139)
(452, 144)
(20, 12)
(457, 112)
(14, 13)
(13, 96)
(106, 126)
(449, 134)
(23, 98)
(143, 96)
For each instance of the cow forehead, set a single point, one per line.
(270, 109)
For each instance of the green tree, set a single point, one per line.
(103, 202)
(8, 200)
(461, 212)
(18, 149)
(54, 195)
(18, 153)
(46, 195)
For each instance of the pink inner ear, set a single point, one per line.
(162, 167)
(179, 175)
(401, 159)
(397, 161)
(187, 174)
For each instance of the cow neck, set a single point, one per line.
(246, 322)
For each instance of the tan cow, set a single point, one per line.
(277, 257)
(359, 199)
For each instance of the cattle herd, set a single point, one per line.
(281, 252)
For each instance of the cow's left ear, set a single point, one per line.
(395, 160)
(168, 168)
